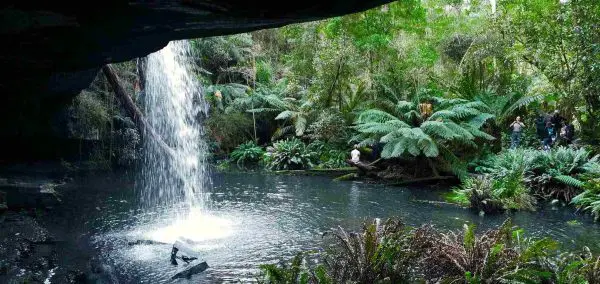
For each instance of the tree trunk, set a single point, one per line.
(138, 118)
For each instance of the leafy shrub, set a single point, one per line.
(589, 200)
(247, 153)
(229, 129)
(289, 154)
(496, 256)
(330, 127)
(389, 252)
(579, 267)
(553, 174)
(90, 115)
(294, 272)
(379, 251)
(494, 195)
(327, 156)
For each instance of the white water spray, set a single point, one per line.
(176, 179)
(174, 107)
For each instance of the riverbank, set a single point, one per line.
(35, 243)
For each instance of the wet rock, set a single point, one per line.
(192, 270)
(26, 249)
(101, 273)
(75, 277)
(33, 194)
(3, 206)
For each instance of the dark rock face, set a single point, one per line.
(27, 249)
(52, 49)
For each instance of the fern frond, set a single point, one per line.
(374, 115)
(478, 120)
(569, 180)
(300, 125)
(286, 114)
(523, 102)
(439, 129)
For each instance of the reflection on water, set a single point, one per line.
(197, 227)
(264, 218)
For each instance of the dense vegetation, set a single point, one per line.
(390, 252)
(423, 88)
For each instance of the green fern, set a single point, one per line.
(247, 153)
(589, 200)
(569, 180)
(406, 132)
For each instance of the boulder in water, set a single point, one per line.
(195, 269)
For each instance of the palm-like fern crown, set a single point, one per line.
(404, 129)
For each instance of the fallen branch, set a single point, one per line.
(424, 180)
(138, 118)
(362, 166)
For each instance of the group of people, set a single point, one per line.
(551, 129)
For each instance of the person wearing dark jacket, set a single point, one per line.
(540, 128)
(557, 122)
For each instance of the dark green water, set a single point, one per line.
(258, 218)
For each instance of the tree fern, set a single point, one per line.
(405, 131)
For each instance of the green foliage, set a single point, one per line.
(328, 157)
(494, 195)
(247, 154)
(221, 57)
(289, 154)
(292, 273)
(548, 174)
(406, 131)
(127, 146)
(90, 115)
(389, 252)
(496, 256)
(229, 129)
(329, 127)
(264, 72)
(589, 200)
(377, 253)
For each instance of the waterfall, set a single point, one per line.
(173, 181)
(174, 107)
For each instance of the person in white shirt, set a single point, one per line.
(355, 154)
(515, 138)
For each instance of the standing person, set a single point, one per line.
(515, 138)
(355, 154)
(540, 129)
(569, 133)
(557, 121)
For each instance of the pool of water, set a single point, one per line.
(254, 218)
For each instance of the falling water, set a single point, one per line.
(174, 107)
